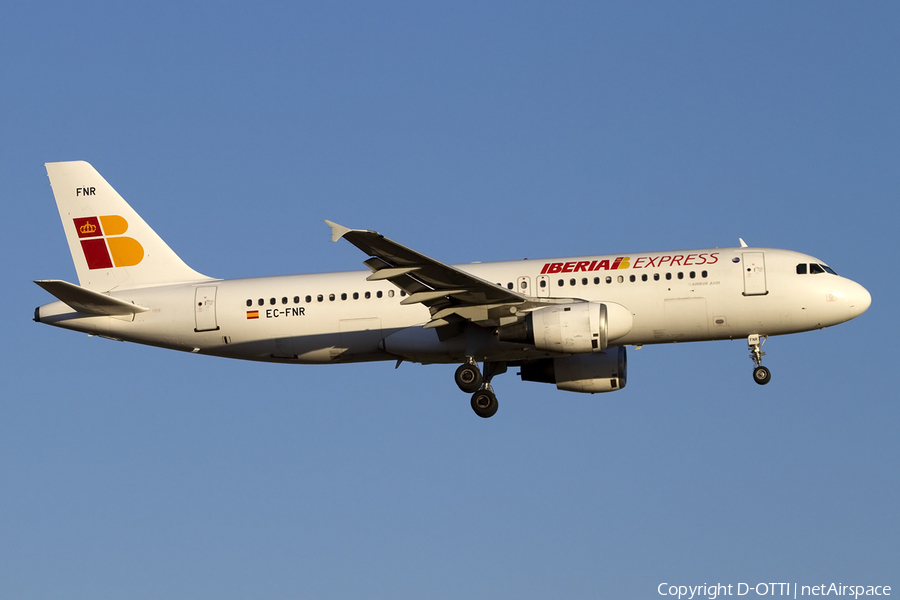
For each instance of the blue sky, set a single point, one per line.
(468, 131)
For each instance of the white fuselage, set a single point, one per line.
(713, 294)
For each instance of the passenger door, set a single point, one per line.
(205, 309)
(755, 274)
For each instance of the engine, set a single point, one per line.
(575, 328)
(588, 373)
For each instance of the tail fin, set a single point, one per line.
(111, 245)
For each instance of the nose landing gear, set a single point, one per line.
(470, 379)
(761, 374)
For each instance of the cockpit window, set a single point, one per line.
(814, 268)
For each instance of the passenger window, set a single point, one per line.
(524, 284)
(693, 274)
(249, 302)
(319, 297)
(331, 297)
(543, 283)
(801, 269)
(561, 282)
(632, 278)
(703, 274)
(509, 285)
(271, 300)
(584, 281)
(668, 276)
(620, 279)
(815, 269)
(656, 277)
(356, 295)
(284, 300)
(596, 281)
(571, 282)
(609, 279)
(309, 298)
(379, 293)
(261, 301)
(390, 293)
(680, 275)
(402, 293)
(296, 299)
(344, 296)
(644, 277)
(368, 295)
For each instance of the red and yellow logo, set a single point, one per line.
(104, 245)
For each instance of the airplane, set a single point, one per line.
(563, 321)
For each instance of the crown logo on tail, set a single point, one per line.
(104, 245)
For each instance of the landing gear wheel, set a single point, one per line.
(468, 377)
(761, 375)
(484, 403)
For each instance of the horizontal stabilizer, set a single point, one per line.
(87, 301)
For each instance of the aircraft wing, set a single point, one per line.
(449, 293)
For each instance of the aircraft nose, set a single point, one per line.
(860, 300)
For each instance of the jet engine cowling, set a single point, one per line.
(586, 373)
(575, 328)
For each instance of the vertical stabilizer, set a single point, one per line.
(111, 245)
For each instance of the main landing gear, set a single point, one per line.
(761, 374)
(470, 379)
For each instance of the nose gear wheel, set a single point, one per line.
(761, 374)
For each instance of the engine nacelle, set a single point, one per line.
(575, 328)
(587, 373)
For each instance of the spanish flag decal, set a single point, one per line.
(252, 314)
